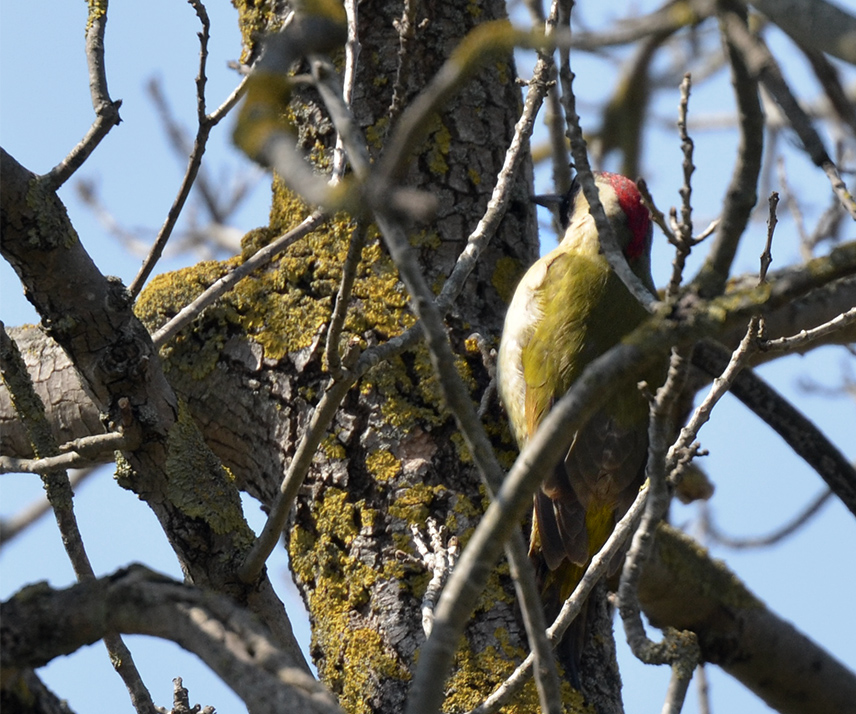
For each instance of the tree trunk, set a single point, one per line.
(252, 369)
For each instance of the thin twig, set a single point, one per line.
(80, 453)
(608, 241)
(455, 393)
(763, 65)
(478, 240)
(678, 649)
(773, 538)
(554, 118)
(206, 122)
(319, 422)
(106, 110)
(347, 130)
(535, 624)
(720, 386)
(660, 428)
(218, 208)
(340, 308)
(488, 355)
(17, 524)
(767, 253)
(799, 432)
(684, 233)
(259, 259)
(805, 338)
(828, 76)
(741, 194)
(657, 215)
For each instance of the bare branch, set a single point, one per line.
(532, 610)
(712, 531)
(608, 242)
(237, 647)
(206, 122)
(806, 338)
(761, 63)
(80, 453)
(17, 524)
(59, 494)
(798, 431)
(319, 422)
(678, 649)
(721, 384)
(682, 238)
(498, 203)
(106, 110)
(217, 207)
(767, 253)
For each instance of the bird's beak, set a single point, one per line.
(559, 205)
(552, 201)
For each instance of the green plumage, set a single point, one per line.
(586, 311)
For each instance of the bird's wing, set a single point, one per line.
(579, 502)
(606, 462)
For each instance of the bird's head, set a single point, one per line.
(623, 206)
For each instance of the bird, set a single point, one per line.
(569, 308)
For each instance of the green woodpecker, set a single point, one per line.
(570, 308)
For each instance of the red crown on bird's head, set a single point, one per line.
(638, 218)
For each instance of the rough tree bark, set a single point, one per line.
(394, 457)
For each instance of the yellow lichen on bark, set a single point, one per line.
(354, 657)
(199, 485)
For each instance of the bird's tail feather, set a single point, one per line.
(556, 587)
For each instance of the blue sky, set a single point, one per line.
(45, 109)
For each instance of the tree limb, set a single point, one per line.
(682, 587)
(40, 624)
